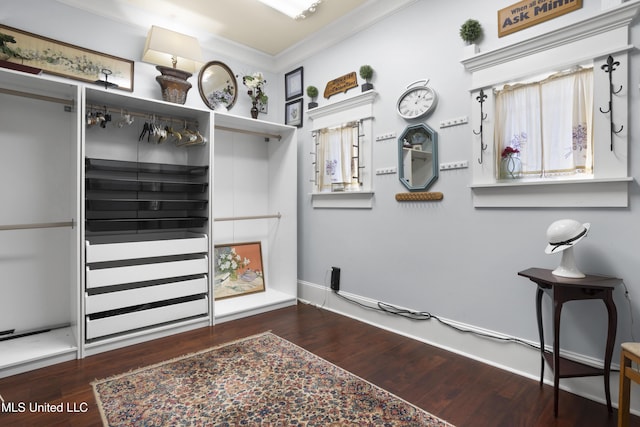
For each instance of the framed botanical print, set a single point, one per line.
(293, 113)
(238, 270)
(293, 84)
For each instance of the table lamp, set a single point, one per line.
(177, 57)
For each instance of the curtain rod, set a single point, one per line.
(116, 110)
(36, 96)
(37, 225)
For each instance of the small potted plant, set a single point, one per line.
(470, 33)
(312, 92)
(366, 72)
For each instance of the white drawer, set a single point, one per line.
(144, 318)
(147, 294)
(97, 278)
(106, 248)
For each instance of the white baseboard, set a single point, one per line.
(516, 358)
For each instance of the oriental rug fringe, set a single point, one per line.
(263, 380)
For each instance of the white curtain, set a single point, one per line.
(335, 153)
(549, 122)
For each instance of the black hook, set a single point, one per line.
(481, 98)
(609, 68)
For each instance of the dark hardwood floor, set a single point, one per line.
(457, 389)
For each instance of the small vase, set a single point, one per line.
(254, 110)
(511, 167)
(234, 275)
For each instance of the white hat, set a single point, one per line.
(565, 233)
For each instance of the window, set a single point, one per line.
(544, 129)
(593, 41)
(337, 166)
(346, 181)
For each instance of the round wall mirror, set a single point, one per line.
(418, 157)
(218, 86)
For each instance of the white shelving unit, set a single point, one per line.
(107, 233)
(39, 214)
(255, 176)
(147, 232)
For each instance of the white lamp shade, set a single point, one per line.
(163, 46)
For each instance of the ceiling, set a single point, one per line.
(246, 22)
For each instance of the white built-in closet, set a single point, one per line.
(111, 208)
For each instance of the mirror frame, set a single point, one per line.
(204, 86)
(434, 157)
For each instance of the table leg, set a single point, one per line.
(611, 338)
(540, 332)
(557, 311)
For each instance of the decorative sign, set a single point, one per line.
(341, 84)
(527, 13)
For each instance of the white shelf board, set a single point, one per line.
(249, 305)
(34, 351)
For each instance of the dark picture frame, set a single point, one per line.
(293, 113)
(293, 84)
(239, 270)
(66, 60)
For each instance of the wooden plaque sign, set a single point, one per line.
(527, 13)
(341, 84)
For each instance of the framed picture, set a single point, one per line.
(238, 270)
(293, 83)
(293, 113)
(66, 60)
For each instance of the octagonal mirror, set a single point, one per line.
(418, 157)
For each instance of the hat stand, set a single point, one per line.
(567, 267)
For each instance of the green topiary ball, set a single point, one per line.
(470, 31)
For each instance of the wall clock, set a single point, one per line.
(417, 100)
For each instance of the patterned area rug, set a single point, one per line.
(261, 380)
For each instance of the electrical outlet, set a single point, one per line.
(335, 278)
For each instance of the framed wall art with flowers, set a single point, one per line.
(293, 113)
(66, 60)
(238, 270)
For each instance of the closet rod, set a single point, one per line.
(115, 110)
(242, 218)
(37, 225)
(36, 96)
(250, 132)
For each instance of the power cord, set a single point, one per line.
(423, 315)
(626, 295)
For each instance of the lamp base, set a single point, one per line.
(174, 84)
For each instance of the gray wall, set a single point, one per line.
(448, 257)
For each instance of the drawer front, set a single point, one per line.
(144, 249)
(145, 295)
(97, 278)
(140, 319)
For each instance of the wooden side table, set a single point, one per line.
(564, 289)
